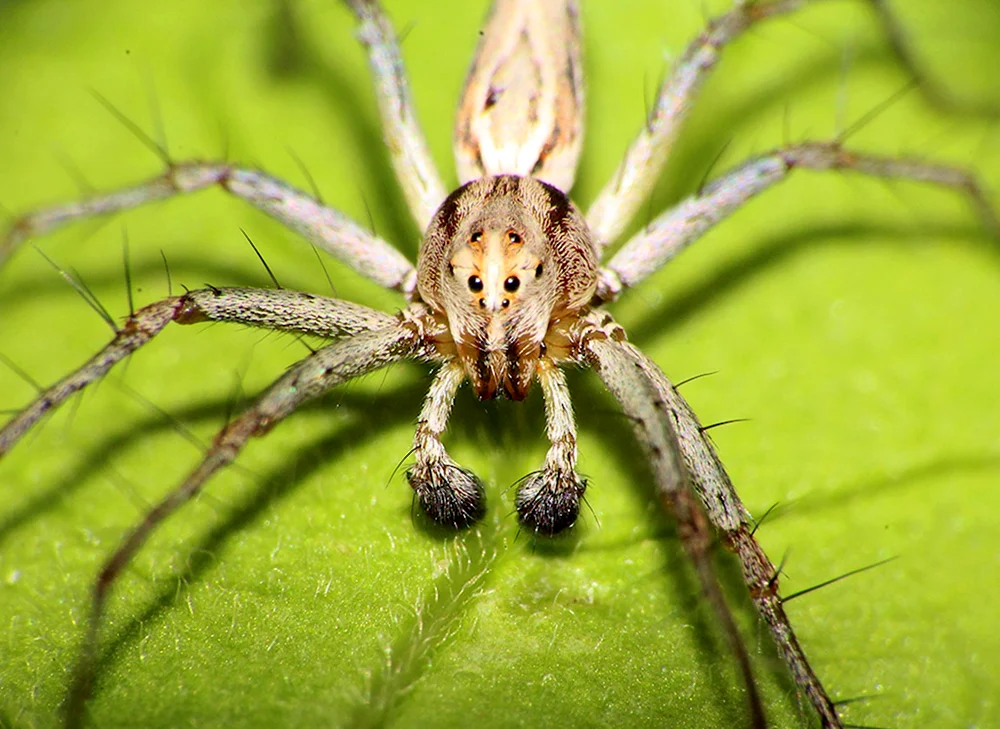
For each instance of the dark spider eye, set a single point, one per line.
(475, 284)
(477, 236)
(511, 284)
(513, 237)
(538, 270)
(505, 303)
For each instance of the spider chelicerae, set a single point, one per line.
(556, 522)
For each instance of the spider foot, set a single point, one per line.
(549, 501)
(449, 494)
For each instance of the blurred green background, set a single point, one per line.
(853, 322)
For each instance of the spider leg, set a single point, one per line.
(449, 494)
(655, 406)
(632, 183)
(549, 500)
(728, 514)
(522, 107)
(654, 422)
(273, 309)
(683, 224)
(407, 146)
(326, 228)
(308, 379)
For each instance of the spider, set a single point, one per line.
(561, 516)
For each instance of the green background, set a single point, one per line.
(854, 322)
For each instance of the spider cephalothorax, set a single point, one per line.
(503, 258)
(506, 268)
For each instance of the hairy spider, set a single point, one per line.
(477, 568)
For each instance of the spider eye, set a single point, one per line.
(538, 270)
(475, 284)
(513, 237)
(477, 236)
(511, 284)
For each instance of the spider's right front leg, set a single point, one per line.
(449, 494)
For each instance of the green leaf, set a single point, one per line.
(853, 322)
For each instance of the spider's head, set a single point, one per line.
(503, 258)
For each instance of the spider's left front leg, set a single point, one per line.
(687, 469)
(603, 347)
